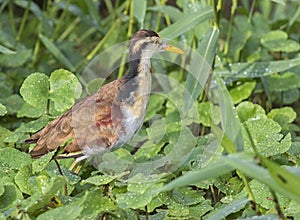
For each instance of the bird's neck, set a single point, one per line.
(139, 65)
(137, 80)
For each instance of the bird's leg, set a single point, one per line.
(78, 168)
(72, 166)
(61, 173)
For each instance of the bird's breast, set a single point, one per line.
(134, 107)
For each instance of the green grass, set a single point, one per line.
(221, 137)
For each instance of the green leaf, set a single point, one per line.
(156, 102)
(25, 180)
(266, 137)
(173, 12)
(157, 129)
(283, 177)
(35, 90)
(227, 209)
(64, 88)
(256, 69)
(240, 36)
(41, 198)
(263, 196)
(281, 2)
(30, 111)
(4, 133)
(229, 119)
(186, 23)
(141, 190)
(13, 103)
(283, 82)
(69, 211)
(200, 209)
(100, 180)
(6, 86)
(190, 178)
(96, 203)
(242, 91)
(277, 41)
(94, 85)
(3, 110)
(11, 158)
(248, 110)
(140, 10)
(56, 52)
(282, 116)
(40, 164)
(15, 59)
(10, 195)
(290, 96)
(247, 164)
(187, 196)
(6, 50)
(200, 67)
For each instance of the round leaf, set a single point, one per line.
(277, 41)
(248, 110)
(242, 91)
(266, 137)
(35, 90)
(64, 88)
(283, 115)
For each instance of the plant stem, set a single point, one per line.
(69, 29)
(233, 8)
(60, 21)
(11, 17)
(251, 10)
(24, 18)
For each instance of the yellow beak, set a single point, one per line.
(173, 49)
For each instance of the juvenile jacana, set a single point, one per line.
(109, 117)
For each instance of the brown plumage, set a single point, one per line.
(109, 117)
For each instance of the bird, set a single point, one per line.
(110, 117)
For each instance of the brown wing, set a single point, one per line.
(89, 123)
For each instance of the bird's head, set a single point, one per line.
(146, 42)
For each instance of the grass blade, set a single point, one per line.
(186, 23)
(56, 52)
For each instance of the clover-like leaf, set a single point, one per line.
(242, 91)
(248, 110)
(42, 197)
(264, 134)
(283, 115)
(35, 90)
(96, 203)
(64, 88)
(283, 82)
(278, 41)
(102, 179)
(25, 180)
(10, 195)
(69, 211)
(10, 158)
(264, 197)
(187, 196)
(207, 113)
(30, 111)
